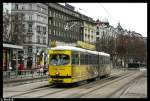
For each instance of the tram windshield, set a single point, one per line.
(59, 59)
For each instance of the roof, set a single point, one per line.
(78, 49)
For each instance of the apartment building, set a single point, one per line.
(35, 17)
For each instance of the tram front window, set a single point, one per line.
(59, 59)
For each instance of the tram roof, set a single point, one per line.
(102, 53)
(68, 48)
(78, 49)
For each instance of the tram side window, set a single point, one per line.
(106, 60)
(81, 59)
(96, 62)
(94, 59)
(85, 59)
(75, 59)
(102, 60)
(89, 59)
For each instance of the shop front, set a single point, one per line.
(11, 57)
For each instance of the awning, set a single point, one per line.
(12, 46)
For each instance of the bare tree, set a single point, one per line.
(6, 27)
(18, 32)
(131, 47)
(13, 29)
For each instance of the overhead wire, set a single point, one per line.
(108, 13)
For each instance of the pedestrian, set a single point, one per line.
(10, 69)
(20, 68)
(45, 70)
(38, 69)
(41, 70)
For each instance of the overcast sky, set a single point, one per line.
(132, 16)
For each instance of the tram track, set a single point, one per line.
(86, 89)
(85, 86)
(103, 89)
(83, 90)
(80, 91)
(32, 91)
(123, 90)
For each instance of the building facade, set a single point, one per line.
(11, 51)
(89, 27)
(105, 34)
(59, 17)
(35, 17)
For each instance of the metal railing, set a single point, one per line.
(24, 74)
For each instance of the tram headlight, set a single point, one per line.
(57, 73)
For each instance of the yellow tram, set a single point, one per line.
(68, 64)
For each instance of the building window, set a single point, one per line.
(22, 7)
(88, 36)
(16, 6)
(59, 33)
(97, 27)
(50, 22)
(97, 33)
(54, 14)
(44, 40)
(23, 16)
(54, 32)
(30, 17)
(49, 31)
(44, 10)
(30, 27)
(38, 8)
(29, 49)
(23, 27)
(41, 29)
(29, 39)
(44, 30)
(50, 13)
(56, 24)
(30, 6)
(38, 29)
(38, 17)
(38, 39)
(97, 38)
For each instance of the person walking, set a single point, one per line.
(21, 68)
(41, 70)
